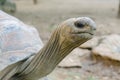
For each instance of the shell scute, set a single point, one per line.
(17, 40)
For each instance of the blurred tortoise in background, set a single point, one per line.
(22, 53)
(8, 6)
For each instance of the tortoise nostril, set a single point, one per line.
(78, 24)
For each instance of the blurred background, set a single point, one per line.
(98, 59)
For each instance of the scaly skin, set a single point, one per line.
(69, 35)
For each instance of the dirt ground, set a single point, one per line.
(47, 14)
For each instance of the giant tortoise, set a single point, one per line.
(22, 53)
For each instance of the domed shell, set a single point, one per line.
(17, 40)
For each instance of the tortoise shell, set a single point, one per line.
(17, 40)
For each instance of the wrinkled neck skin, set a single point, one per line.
(48, 57)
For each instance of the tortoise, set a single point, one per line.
(22, 53)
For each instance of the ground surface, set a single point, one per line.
(47, 14)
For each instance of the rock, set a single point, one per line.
(108, 47)
(74, 58)
(91, 43)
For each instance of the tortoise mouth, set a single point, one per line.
(82, 33)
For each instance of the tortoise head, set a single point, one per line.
(77, 30)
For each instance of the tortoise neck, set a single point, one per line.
(53, 52)
(50, 55)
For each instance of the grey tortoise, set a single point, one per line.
(23, 56)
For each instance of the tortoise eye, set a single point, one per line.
(78, 24)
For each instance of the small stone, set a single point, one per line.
(91, 43)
